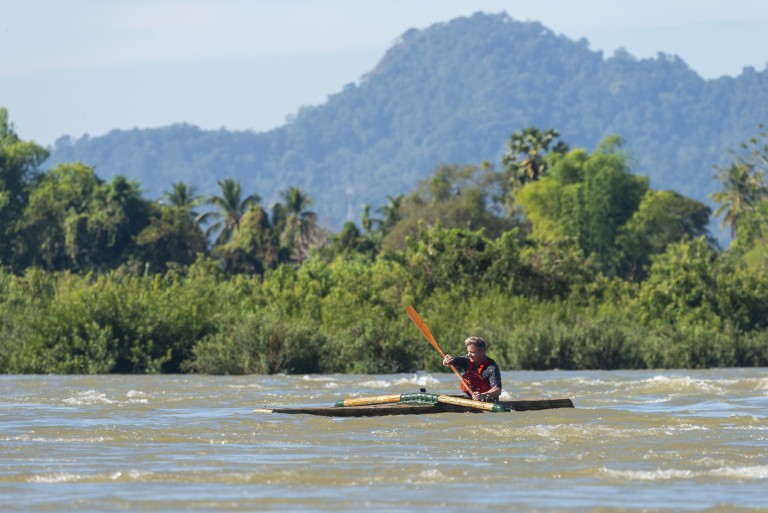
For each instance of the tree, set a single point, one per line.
(119, 215)
(74, 220)
(54, 223)
(367, 221)
(453, 197)
(350, 241)
(585, 197)
(300, 231)
(182, 195)
(662, 218)
(523, 160)
(681, 286)
(171, 237)
(19, 162)
(449, 259)
(230, 207)
(251, 250)
(744, 191)
(392, 211)
(611, 195)
(173, 234)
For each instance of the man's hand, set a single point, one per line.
(490, 395)
(448, 360)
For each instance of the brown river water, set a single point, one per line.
(636, 441)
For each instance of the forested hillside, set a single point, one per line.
(454, 93)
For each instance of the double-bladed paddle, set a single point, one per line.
(419, 322)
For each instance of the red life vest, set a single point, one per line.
(474, 377)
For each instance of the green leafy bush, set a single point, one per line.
(262, 342)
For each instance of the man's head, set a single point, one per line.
(475, 348)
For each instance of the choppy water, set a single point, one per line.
(637, 441)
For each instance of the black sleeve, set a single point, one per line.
(461, 362)
(493, 375)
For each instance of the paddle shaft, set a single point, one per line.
(419, 322)
(365, 401)
(471, 403)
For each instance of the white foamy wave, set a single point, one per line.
(756, 472)
(248, 386)
(680, 383)
(753, 472)
(91, 397)
(307, 377)
(649, 475)
(589, 381)
(130, 475)
(380, 383)
(331, 384)
(688, 427)
(57, 439)
(430, 476)
(136, 397)
(55, 478)
(421, 380)
(66, 477)
(88, 397)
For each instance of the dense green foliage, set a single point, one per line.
(454, 93)
(347, 316)
(578, 264)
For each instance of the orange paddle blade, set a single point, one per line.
(419, 322)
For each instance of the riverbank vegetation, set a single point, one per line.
(561, 258)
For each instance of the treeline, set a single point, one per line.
(69, 219)
(561, 258)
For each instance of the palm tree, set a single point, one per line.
(392, 212)
(300, 230)
(183, 196)
(743, 190)
(531, 144)
(229, 209)
(367, 221)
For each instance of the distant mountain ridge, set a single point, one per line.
(454, 93)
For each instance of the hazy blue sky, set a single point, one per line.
(88, 66)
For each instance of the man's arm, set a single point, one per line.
(490, 395)
(459, 361)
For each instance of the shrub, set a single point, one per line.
(263, 342)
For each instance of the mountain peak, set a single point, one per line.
(453, 93)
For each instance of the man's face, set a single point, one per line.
(475, 353)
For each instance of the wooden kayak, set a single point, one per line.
(406, 408)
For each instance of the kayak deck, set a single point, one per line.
(374, 410)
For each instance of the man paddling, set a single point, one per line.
(482, 373)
